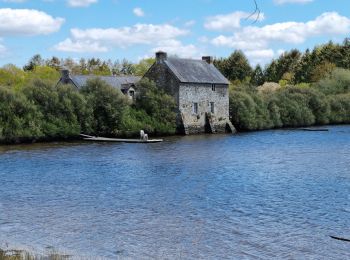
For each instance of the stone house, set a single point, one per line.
(200, 91)
(126, 84)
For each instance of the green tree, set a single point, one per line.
(19, 118)
(143, 66)
(12, 76)
(258, 77)
(235, 67)
(108, 107)
(35, 61)
(158, 105)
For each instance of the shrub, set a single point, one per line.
(19, 118)
(107, 105)
(158, 105)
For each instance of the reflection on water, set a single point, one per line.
(273, 194)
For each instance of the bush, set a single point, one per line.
(286, 107)
(59, 114)
(20, 120)
(339, 108)
(338, 82)
(107, 105)
(159, 107)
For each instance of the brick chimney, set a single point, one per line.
(208, 59)
(65, 75)
(161, 56)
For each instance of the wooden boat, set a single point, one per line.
(105, 139)
(314, 129)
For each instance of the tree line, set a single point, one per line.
(40, 110)
(296, 89)
(91, 66)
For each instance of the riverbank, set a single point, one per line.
(79, 138)
(15, 254)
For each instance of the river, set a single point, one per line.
(269, 195)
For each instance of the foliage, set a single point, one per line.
(143, 66)
(158, 105)
(19, 118)
(287, 107)
(296, 89)
(336, 83)
(258, 77)
(107, 105)
(236, 67)
(58, 106)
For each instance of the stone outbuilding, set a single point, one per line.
(126, 84)
(200, 91)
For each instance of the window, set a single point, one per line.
(212, 109)
(195, 108)
(213, 87)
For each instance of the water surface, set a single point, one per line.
(272, 194)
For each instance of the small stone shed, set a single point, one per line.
(126, 84)
(200, 91)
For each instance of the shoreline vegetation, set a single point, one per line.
(14, 254)
(295, 90)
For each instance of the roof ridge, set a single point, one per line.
(110, 76)
(187, 59)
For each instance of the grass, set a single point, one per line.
(23, 255)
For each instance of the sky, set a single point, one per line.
(136, 29)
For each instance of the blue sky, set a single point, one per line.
(135, 29)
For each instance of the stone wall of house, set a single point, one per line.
(164, 79)
(187, 94)
(204, 120)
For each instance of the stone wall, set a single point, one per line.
(203, 120)
(164, 79)
(186, 94)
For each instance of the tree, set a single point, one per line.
(127, 68)
(108, 107)
(143, 66)
(12, 76)
(19, 118)
(286, 63)
(235, 67)
(35, 61)
(258, 77)
(54, 63)
(158, 105)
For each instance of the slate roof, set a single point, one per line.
(114, 81)
(195, 71)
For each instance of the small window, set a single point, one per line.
(132, 93)
(213, 87)
(195, 108)
(212, 108)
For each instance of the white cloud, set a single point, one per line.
(80, 47)
(138, 12)
(27, 22)
(259, 56)
(224, 22)
(253, 37)
(175, 47)
(105, 39)
(256, 41)
(281, 2)
(81, 3)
